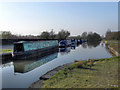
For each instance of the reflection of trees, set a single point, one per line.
(93, 44)
(102, 44)
(7, 64)
(84, 45)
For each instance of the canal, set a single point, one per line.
(22, 73)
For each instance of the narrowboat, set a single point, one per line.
(73, 41)
(64, 43)
(79, 41)
(28, 49)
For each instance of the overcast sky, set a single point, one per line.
(77, 17)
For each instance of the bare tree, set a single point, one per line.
(63, 34)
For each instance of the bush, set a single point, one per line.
(79, 64)
(76, 61)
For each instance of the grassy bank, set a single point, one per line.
(6, 51)
(100, 73)
(115, 44)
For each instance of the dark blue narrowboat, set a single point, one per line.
(64, 43)
(28, 49)
(79, 41)
(73, 41)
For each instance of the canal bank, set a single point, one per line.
(113, 51)
(93, 73)
(113, 46)
(49, 74)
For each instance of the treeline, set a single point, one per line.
(91, 36)
(112, 35)
(62, 34)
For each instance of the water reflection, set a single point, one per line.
(65, 50)
(93, 44)
(73, 46)
(6, 64)
(28, 65)
(90, 44)
(84, 45)
(102, 44)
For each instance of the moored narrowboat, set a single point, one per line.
(64, 43)
(79, 41)
(28, 49)
(73, 41)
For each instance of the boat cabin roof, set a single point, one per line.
(28, 41)
(20, 42)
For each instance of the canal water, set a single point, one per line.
(6, 46)
(22, 73)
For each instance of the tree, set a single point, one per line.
(90, 33)
(113, 35)
(45, 35)
(93, 37)
(63, 34)
(52, 34)
(78, 37)
(6, 34)
(108, 31)
(84, 35)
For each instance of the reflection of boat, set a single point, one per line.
(28, 49)
(64, 49)
(28, 65)
(79, 41)
(73, 46)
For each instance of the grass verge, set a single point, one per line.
(6, 51)
(115, 44)
(99, 73)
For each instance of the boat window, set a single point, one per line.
(48, 44)
(44, 45)
(18, 47)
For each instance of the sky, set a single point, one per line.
(77, 17)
